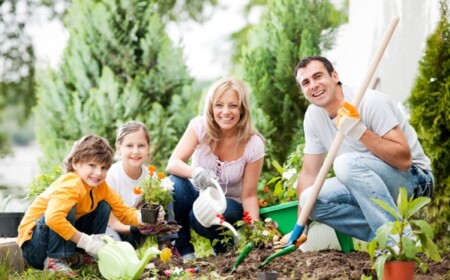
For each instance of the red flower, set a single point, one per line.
(221, 218)
(247, 218)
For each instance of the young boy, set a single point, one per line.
(74, 211)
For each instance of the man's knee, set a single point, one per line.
(344, 165)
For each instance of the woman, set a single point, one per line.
(223, 144)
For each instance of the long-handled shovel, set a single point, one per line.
(317, 186)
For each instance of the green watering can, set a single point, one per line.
(118, 259)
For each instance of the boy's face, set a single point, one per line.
(91, 172)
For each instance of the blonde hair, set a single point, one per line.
(89, 147)
(244, 127)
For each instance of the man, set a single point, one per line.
(379, 155)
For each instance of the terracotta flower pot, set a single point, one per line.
(396, 270)
(150, 213)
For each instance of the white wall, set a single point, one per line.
(358, 41)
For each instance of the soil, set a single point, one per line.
(325, 264)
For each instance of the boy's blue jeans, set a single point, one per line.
(184, 196)
(47, 243)
(344, 202)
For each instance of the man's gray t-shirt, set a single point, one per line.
(378, 112)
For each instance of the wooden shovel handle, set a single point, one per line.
(317, 186)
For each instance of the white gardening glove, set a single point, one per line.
(203, 178)
(349, 121)
(91, 243)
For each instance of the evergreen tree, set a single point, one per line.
(429, 103)
(288, 31)
(119, 65)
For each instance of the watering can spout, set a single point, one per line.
(208, 205)
(151, 252)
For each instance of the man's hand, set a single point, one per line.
(294, 235)
(203, 178)
(349, 121)
(91, 243)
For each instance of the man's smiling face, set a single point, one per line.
(318, 86)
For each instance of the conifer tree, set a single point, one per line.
(429, 105)
(118, 65)
(288, 31)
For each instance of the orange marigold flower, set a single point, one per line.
(137, 191)
(266, 189)
(161, 175)
(151, 169)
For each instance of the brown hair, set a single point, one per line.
(305, 61)
(89, 147)
(130, 127)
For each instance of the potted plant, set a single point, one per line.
(402, 240)
(156, 190)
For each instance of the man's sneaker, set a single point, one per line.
(79, 259)
(59, 266)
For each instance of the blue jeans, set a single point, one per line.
(184, 196)
(47, 243)
(344, 202)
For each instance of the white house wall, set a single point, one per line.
(358, 41)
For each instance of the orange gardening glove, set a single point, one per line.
(349, 121)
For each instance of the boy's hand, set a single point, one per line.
(90, 243)
(349, 121)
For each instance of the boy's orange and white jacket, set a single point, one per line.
(68, 191)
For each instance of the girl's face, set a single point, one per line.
(226, 110)
(134, 150)
(91, 172)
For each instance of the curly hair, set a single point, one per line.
(89, 148)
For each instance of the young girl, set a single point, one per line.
(132, 148)
(73, 210)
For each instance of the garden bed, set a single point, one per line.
(326, 264)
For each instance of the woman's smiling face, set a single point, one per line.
(227, 110)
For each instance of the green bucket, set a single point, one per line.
(285, 215)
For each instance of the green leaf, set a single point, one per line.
(278, 167)
(402, 202)
(387, 207)
(379, 265)
(416, 205)
(409, 248)
(432, 250)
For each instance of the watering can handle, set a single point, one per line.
(107, 239)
